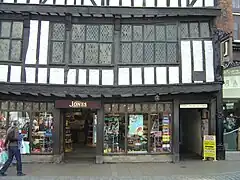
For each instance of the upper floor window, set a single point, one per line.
(91, 44)
(149, 43)
(194, 30)
(11, 35)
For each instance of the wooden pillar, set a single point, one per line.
(56, 132)
(175, 131)
(100, 135)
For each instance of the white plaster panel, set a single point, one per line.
(150, 3)
(88, 3)
(173, 75)
(82, 76)
(70, 2)
(126, 2)
(34, 2)
(107, 77)
(42, 75)
(60, 2)
(199, 3)
(56, 76)
(197, 56)
(149, 75)
(184, 3)
(15, 75)
(209, 64)
(32, 45)
(186, 62)
(162, 3)
(8, 1)
(174, 3)
(113, 3)
(138, 3)
(49, 2)
(43, 50)
(71, 76)
(3, 73)
(30, 74)
(93, 77)
(161, 75)
(22, 1)
(123, 76)
(209, 3)
(136, 76)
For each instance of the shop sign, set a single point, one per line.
(193, 106)
(65, 104)
(78, 104)
(209, 147)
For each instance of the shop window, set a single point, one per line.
(42, 133)
(3, 123)
(137, 136)
(114, 133)
(4, 105)
(160, 133)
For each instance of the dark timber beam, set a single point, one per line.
(113, 90)
(75, 10)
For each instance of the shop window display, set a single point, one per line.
(137, 128)
(114, 133)
(137, 133)
(42, 133)
(3, 123)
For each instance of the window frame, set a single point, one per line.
(134, 111)
(11, 38)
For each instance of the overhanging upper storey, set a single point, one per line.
(122, 8)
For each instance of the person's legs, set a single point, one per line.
(17, 155)
(8, 162)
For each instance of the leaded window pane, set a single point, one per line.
(16, 50)
(153, 108)
(145, 108)
(137, 33)
(160, 50)
(92, 33)
(43, 106)
(78, 32)
(115, 108)
(35, 106)
(77, 53)
(91, 53)
(204, 29)
(50, 107)
(138, 107)
(122, 108)
(105, 53)
(160, 108)
(4, 105)
(126, 52)
(5, 29)
(58, 31)
(194, 30)
(17, 30)
(28, 106)
(126, 33)
(149, 32)
(149, 52)
(12, 105)
(160, 33)
(57, 52)
(4, 49)
(172, 52)
(106, 33)
(137, 52)
(171, 32)
(184, 30)
(130, 107)
(19, 105)
(107, 108)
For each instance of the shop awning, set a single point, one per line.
(105, 91)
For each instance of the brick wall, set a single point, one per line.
(225, 21)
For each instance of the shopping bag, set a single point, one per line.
(3, 157)
(25, 147)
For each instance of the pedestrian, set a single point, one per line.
(12, 145)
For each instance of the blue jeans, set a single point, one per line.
(13, 151)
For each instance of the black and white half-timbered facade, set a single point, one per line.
(118, 57)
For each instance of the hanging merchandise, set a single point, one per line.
(68, 138)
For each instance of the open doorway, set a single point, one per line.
(193, 126)
(80, 135)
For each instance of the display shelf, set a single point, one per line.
(68, 138)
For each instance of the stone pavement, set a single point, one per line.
(190, 170)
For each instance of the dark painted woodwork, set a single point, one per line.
(175, 131)
(56, 131)
(66, 104)
(112, 90)
(100, 131)
(75, 10)
(199, 76)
